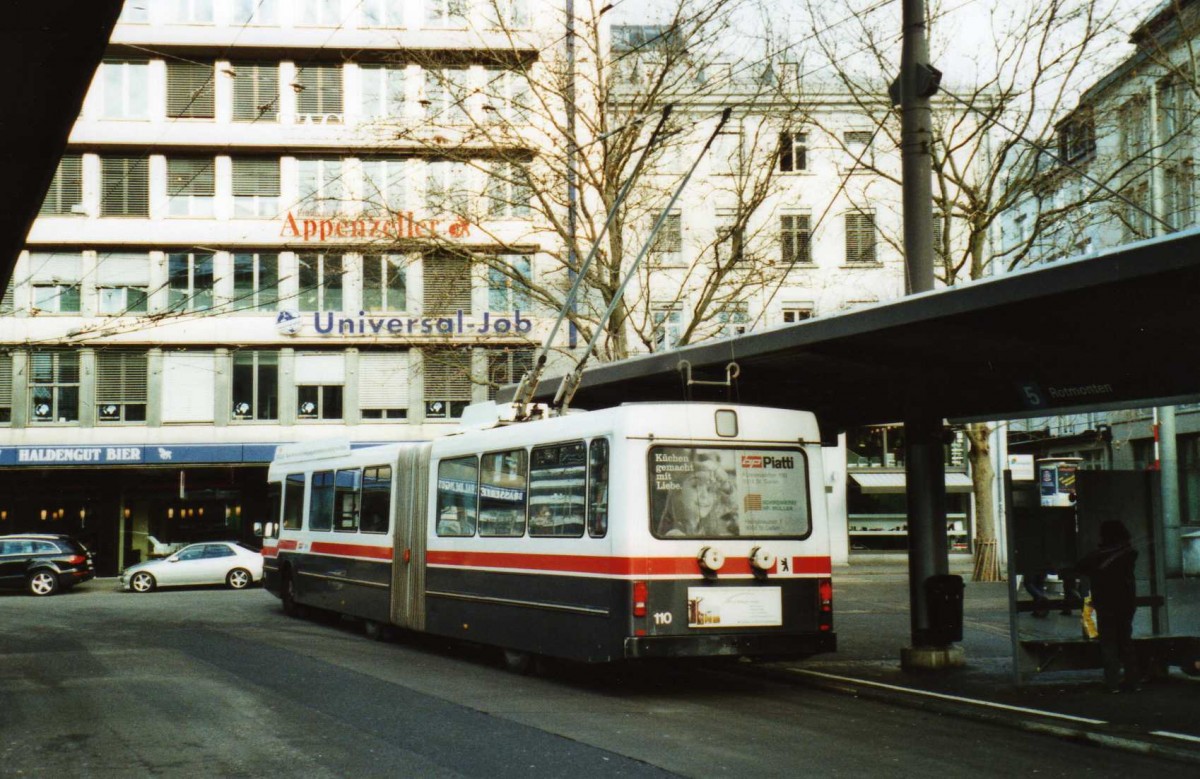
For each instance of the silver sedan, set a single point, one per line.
(212, 562)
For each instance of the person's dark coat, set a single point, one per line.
(1111, 570)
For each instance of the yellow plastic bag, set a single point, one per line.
(1089, 619)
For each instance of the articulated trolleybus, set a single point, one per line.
(643, 531)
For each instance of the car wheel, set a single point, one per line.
(238, 579)
(42, 583)
(142, 582)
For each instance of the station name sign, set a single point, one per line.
(389, 227)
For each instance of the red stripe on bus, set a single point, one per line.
(286, 544)
(352, 550)
(617, 566)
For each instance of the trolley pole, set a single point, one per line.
(928, 549)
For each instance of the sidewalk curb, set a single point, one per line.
(1062, 726)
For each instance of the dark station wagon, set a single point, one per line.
(43, 564)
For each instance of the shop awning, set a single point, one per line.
(893, 483)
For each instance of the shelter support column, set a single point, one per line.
(928, 546)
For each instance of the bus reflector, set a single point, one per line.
(639, 599)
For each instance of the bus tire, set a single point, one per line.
(518, 662)
(288, 595)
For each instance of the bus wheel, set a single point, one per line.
(518, 662)
(290, 606)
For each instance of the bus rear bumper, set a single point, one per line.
(781, 647)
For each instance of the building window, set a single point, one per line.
(507, 366)
(795, 239)
(66, 190)
(319, 380)
(123, 85)
(322, 187)
(447, 383)
(508, 283)
(383, 385)
(858, 145)
(383, 95)
(668, 244)
(6, 300)
(191, 186)
(134, 13)
(120, 386)
(793, 152)
(255, 188)
(508, 14)
(447, 278)
(321, 282)
(1139, 221)
(446, 13)
(6, 376)
(320, 94)
(255, 92)
(190, 90)
(55, 278)
(190, 281)
(447, 188)
(124, 186)
(1170, 109)
(255, 385)
(668, 325)
(385, 284)
(255, 13)
(383, 13)
(187, 11)
(53, 387)
(1077, 138)
(255, 281)
(318, 13)
(797, 312)
(508, 191)
(506, 96)
(1178, 199)
(446, 92)
(122, 283)
(385, 186)
(734, 318)
(860, 237)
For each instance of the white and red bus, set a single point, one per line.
(646, 530)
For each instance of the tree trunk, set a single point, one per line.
(987, 559)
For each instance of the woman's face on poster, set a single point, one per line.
(698, 494)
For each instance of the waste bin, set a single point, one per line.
(1191, 554)
(944, 594)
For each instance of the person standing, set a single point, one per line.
(1114, 591)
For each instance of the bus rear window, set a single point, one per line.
(722, 493)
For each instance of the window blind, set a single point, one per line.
(189, 386)
(121, 269)
(255, 92)
(447, 283)
(120, 377)
(320, 369)
(125, 186)
(190, 176)
(255, 176)
(448, 375)
(66, 190)
(383, 380)
(320, 90)
(190, 90)
(55, 267)
(5, 379)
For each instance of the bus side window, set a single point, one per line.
(457, 490)
(293, 501)
(502, 494)
(320, 505)
(345, 488)
(274, 510)
(376, 499)
(598, 488)
(557, 489)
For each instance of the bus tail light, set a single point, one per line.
(825, 616)
(639, 599)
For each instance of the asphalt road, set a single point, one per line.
(220, 683)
